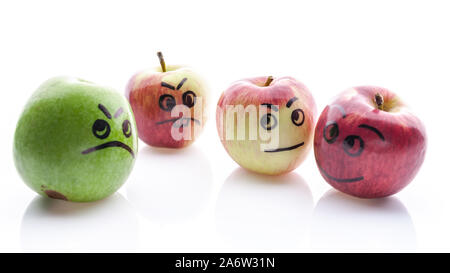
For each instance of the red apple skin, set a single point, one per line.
(393, 143)
(251, 91)
(143, 92)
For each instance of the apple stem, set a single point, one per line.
(379, 101)
(161, 61)
(268, 81)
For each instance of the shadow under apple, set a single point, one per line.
(259, 212)
(345, 223)
(54, 225)
(170, 185)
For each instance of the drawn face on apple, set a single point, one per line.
(104, 130)
(172, 96)
(169, 107)
(349, 140)
(291, 117)
(101, 129)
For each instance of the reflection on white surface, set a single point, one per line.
(264, 212)
(345, 223)
(107, 225)
(182, 189)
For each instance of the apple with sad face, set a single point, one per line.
(75, 140)
(169, 104)
(266, 124)
(368, 144)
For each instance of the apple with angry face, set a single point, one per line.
(265, 124)
(75, 140)
(368, 144)
(169, 104)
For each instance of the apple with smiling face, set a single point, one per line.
(169, 104)
(266, 124)
(368, 144)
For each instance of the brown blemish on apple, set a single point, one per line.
(55, 195)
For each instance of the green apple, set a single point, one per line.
(75, 140)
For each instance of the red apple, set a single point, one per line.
(368, 144)
(169, 105)
(266, 125)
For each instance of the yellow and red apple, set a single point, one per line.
(169, 104)
(266, 124)
(368, 144)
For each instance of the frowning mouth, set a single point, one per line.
(182, 120)
(285, 149)
(341, 180)
(108, 145)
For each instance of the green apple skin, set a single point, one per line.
(55, 135)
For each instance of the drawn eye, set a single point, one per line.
(167, 102)
(353, 145)
(298, 117)
(268, 121)
(101, 129)
(331, 132)
(126, 128)
(189, 98)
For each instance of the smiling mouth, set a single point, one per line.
(341, 180)
(108, 145)
(285, 149)
(177, 119)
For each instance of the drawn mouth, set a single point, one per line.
(285, 149)
(108, 145)
(341, 180)
(183, 122)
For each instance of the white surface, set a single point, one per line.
(198, 199)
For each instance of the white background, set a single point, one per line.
(198, 199)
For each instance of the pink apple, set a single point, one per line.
(169, 104)
(368, 144)
(266, 124)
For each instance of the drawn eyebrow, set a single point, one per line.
(271, 106)
(118, 112)
(104, 110)
(373, 129)
(291, 101)
(167, 85)
(344, 115)
(181, 83)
